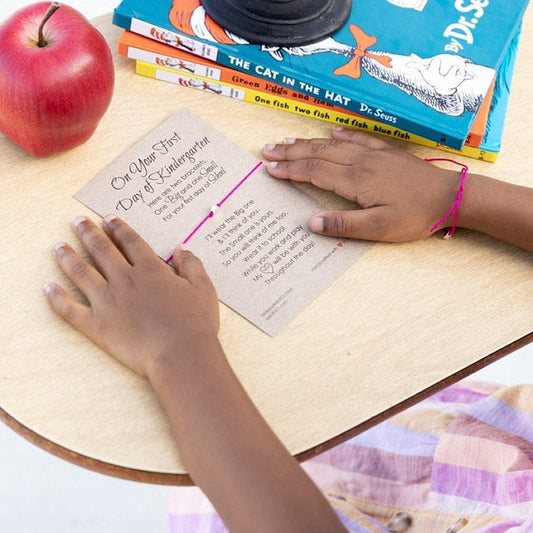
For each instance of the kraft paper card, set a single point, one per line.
(186, 182)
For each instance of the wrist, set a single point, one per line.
(471, 213)
(483, 200)
(500, 209)
(182, 355)
(454, 190)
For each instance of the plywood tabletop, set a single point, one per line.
(404, 321)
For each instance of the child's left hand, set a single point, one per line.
(138, 309)
(401, 196)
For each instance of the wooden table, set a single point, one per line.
(403, 322)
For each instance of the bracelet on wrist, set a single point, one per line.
(454, 209)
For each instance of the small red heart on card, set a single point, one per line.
(340, 244)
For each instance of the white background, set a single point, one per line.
(40, 493)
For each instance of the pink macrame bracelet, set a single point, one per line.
(215, 208)
(455, 207)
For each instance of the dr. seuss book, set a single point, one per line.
(425, 69)
(492, 140)
(166, 57)
(335, 116)
(188, 77)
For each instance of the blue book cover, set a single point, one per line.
(492, 139)
(424, 66)
(491, 144)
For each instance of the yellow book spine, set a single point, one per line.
(303, 108)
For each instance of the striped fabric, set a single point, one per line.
(458, 461)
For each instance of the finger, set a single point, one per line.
(73, 312)
(333, 150)
(102, 250)
(359, 138)
(133, 247)
(190, 267)
(340, 179)
(88, 280)
(373, 224)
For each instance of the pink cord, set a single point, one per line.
(455, 207)
(215, 208)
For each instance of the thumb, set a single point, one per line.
(369, 224)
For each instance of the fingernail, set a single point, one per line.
(79, 220)
(48, 288)
(272, 164)
(58, 246)
(338, 128)
(109, 218)
(316, 224)
(289, 140)
(269, 147)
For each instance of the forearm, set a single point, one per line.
(231, 452)
(499, 209)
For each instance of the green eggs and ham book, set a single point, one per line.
(424, 66)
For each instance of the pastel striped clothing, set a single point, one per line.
(461, 460)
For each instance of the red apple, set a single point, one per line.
(56, 78)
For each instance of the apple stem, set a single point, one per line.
(54, 6)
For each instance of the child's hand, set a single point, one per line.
(402, 196)
(138, 308)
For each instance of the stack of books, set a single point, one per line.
(432, 72)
